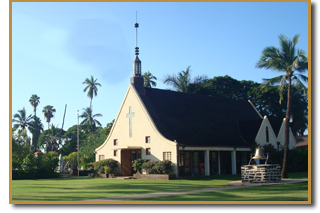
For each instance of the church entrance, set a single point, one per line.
(127, 156)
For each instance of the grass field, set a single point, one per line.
(73, 189)
(283, 192)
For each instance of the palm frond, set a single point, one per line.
(273, 81)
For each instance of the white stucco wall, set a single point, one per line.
(142, 126)
(280, 138)
(261, 136)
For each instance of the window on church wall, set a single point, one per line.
(148, 139)
(267, 134)
(101, 157)
(148, 151)
(167, 156)
(115, 142)
(115, 153)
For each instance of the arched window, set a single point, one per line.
(267, 134)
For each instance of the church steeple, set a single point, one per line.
(136, 62)
(137, 79)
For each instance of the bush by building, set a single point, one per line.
(110, 163)
(297, 160)
(158, 167)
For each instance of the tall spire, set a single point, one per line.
(136, 25)
(136, 62)
(137, 79)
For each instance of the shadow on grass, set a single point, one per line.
(284, 192)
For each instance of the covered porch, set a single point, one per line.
(200, 161)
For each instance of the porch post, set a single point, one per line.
(219, 169)
(233, 162)
(206, 163)
(177, 158)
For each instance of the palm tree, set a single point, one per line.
(35, 127)
(148, 82)
(182, 81)
(50, 139)
(21, 120)
(289, 60)
(48, 113)
(89, 119)
(34, 101)
(91, 87)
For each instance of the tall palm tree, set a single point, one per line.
(148, 80)
(34, 101)
(21, 120)
(289, 60)
(182, 81)
(48, 112)
(54, 141)
(91, 87)
(35, 127)
(89, 119)
(50, 139)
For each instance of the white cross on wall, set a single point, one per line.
(130, 115)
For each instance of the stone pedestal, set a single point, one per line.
(264, 173)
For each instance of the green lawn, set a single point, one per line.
(73, 189)
(283, 192)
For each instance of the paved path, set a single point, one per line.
(231, 185)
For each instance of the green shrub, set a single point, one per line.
(29, 167)
(39, 167)
(84, 162)
(137, 165)
(297, 159)
(106, 170)
(110, 163)
(158, 167)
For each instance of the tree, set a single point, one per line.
(182, 80)
(50, 139)
(289, 60)
(108, 128)
(35, 127)
(70, 140)
(34, 101)
(20, 148)
(91, 141)
(48, 112)
(264, 98)
(91, 87)
(21, 120)
(89, 119)
(148, 80)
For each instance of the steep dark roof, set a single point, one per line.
(196, 120)
(302, 141)
(276, 125)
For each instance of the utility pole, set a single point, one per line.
(78, 142)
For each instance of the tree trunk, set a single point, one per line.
(284, 173)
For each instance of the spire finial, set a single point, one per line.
(136, 25)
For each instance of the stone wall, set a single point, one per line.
(264, 173)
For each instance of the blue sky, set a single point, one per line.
(57, 45)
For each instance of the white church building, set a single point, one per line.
(201, 135)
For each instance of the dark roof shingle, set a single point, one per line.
(196, 120)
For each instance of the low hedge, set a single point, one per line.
(158, 167)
